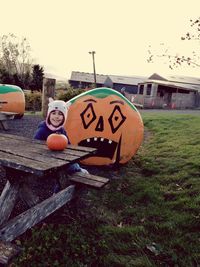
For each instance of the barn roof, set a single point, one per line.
(132, 80)
(176, 79)
(184, 79)
(89, 77)
(186, 86)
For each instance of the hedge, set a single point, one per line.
(34, 99)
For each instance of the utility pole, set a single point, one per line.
(95, 80)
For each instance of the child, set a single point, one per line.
(56, 116)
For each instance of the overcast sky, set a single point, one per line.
(62, 32)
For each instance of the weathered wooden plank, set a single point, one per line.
(7, 200)
(29, 218)
(85, 181)
(8, 145)
(7, 115)
(8, 251)
(32, 163)
(92, 177)
(89, 180)
(23, 164)
(32, 153)
(82, 148)
(65, 155)
(74, 152)
(70, 157)
(70, 147)
(14, 137)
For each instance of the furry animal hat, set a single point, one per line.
(56, 105)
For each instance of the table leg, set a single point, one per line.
(7, 200)
(29, 218)
(26, 194)
(4, 125)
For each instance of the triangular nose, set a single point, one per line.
(100, 125)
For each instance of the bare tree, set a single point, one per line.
(15, 57)
(175, 60)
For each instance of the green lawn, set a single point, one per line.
(148, 216)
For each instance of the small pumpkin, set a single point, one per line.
(57, 141)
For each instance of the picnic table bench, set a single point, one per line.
(24, 159)
(4, 117)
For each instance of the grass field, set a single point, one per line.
(148, 216)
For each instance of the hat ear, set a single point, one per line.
(51, 99)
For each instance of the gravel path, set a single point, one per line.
(25, 126)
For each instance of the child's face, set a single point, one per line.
(56, 118)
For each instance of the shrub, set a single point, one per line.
(69, 94)
(33, 101)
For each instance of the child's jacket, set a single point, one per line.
(43, 132)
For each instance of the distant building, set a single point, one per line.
(85, 80)
(155, 91)
(176, 92)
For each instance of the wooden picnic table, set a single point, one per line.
(23, 158)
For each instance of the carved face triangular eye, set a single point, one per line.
(116, 119)
(88, 116)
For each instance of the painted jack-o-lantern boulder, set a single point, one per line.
(105, 119)
(12, 99)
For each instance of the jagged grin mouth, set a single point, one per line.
(105, 147)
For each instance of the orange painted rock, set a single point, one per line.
(103, 118)
(12, 99)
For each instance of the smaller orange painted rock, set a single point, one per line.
(12, 99)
